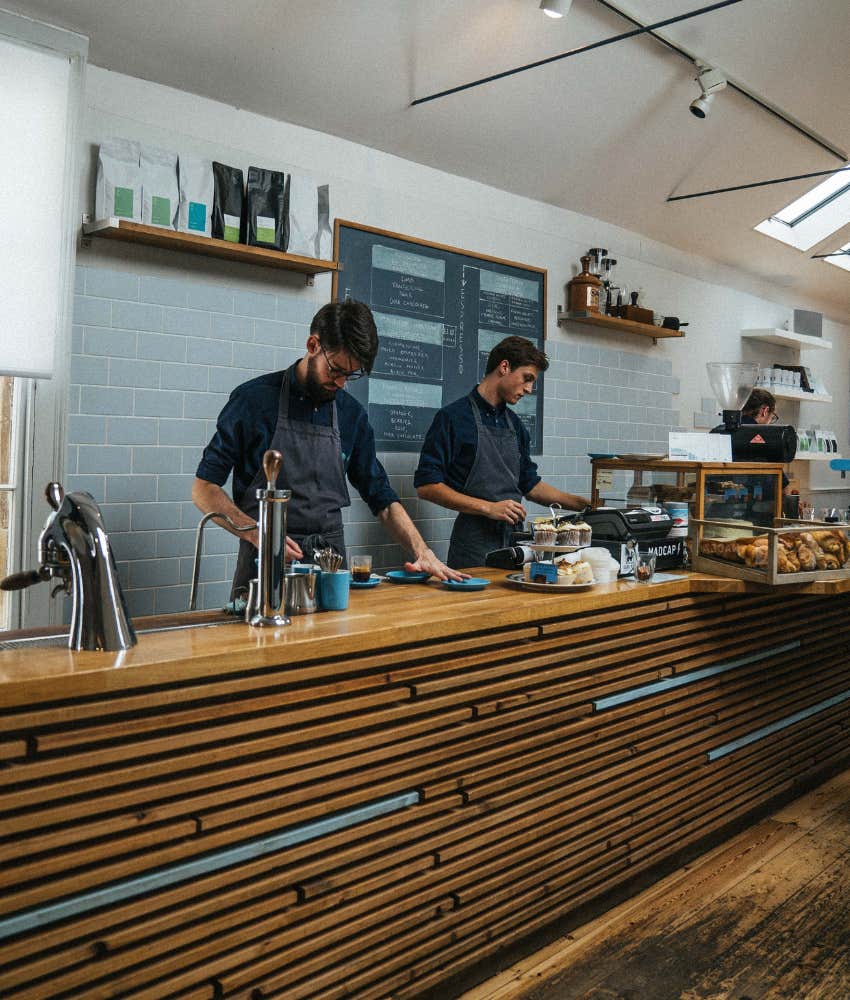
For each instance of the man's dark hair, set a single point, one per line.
(348, 326)
(517, 351)
(757, 399)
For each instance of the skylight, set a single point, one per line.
(841, 258)
(810, 218)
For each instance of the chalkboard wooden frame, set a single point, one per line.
(425, 305)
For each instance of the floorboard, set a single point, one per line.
(764, 916)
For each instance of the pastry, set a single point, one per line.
(575, 573)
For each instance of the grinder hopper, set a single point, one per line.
(732, 384)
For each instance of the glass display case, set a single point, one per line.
(750, 492)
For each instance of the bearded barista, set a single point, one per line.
(476, 458)
(325, 438)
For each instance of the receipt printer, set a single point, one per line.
(647, 528)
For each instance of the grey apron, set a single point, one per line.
(494, 476)
(312, 468)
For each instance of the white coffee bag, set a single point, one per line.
(197, 189)
(118, 185)
(309, 218)
(160, 193)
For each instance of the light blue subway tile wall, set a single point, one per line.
(154, 360)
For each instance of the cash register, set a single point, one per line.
(646, 527)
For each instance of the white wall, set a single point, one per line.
(385, 191)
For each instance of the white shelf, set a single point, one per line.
(798, 396)
(815, 456)
(787, 338)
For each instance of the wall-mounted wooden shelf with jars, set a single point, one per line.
(615, 323)
(169, 239)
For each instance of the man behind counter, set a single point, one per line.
(476, 458)
(324, 435)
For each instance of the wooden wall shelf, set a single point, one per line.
(169, 239)
(615, 323)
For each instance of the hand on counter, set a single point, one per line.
(429, 563)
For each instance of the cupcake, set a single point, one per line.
(544, 532)
(583, 533)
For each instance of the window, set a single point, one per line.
(840, 257)
(812, 217)
(10, 489)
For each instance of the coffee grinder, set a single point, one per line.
(732, 384)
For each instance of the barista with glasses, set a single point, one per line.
(325, 438)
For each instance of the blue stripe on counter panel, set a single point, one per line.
(669, 683)
(119, 891)
(775, 727)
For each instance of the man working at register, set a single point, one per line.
(476, 458)
(323, 435)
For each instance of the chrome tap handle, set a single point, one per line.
(272, 461)
(54, 494)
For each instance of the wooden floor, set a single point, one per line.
(765, 916)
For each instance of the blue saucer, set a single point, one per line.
(403, 576)
(373, 581)
(473, 583)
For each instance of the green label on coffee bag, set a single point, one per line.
(265, 229)
(160, 211)
(231, 228)
(123, 205)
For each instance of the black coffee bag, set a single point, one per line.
(228, 215)
(267, 208)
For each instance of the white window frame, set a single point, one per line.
(44, 430)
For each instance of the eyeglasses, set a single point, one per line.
(336, 372)
(774, 418)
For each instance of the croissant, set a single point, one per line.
(805, 558)
(833, 542)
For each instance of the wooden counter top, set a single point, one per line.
(378, 618)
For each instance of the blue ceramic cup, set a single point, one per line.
(333, 590)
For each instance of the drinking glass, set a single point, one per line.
(644, 567)
(361, 568)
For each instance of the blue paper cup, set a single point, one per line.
(333, 590)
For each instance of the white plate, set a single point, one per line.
(519, 579)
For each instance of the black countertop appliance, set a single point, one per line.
(622, 530)
(762, 442)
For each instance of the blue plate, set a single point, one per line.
(600, 454)
(373, 581)
(473, 583)
(403, 576)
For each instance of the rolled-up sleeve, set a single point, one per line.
(436, 456)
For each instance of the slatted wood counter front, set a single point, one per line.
(366, 802)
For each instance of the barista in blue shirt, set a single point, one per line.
(325, 438)
(476, 458)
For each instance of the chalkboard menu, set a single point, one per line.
(439, 313)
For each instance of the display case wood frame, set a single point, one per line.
(699, 470)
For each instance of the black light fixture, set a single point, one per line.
(710, 81)
(556, 8)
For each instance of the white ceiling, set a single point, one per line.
(606, 133)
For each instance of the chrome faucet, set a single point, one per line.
(74, 548)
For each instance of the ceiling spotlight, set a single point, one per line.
(710, 81)
(555, 8)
